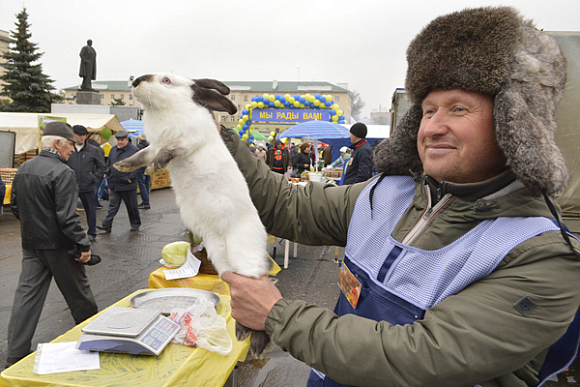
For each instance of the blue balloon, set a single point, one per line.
(260, 99)
(245, 127)
(286, 103)
(254, 99)
(278, 97)
(307, 104)
(302, 99)
(317, 96)
(332, 112)
(328, 103)
(251, 137)
(244, 112)
(322, 98)
(249, 122)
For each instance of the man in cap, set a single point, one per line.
(44, 197)
(457, 269)
(122, 185)
(341, 160)
(89, 166)
(360, 165)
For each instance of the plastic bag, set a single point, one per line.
(202, 327)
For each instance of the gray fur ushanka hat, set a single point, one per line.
(495, 52)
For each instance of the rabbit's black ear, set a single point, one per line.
(212, 84)
(212, 100)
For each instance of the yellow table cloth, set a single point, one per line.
(177, 365)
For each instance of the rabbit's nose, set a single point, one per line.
(137, 81)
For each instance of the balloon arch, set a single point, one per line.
(245, 126)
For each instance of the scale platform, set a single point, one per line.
(127, 330)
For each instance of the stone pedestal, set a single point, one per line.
(86, 97)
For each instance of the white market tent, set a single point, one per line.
(25, 125)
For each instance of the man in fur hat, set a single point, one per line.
(457, 269)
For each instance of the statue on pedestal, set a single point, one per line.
(88, 70)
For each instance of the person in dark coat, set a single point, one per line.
(360, 165)
(302, 160)
(89, 166)
(278, 157)
(2, 191)
(44, 197)
(122, 185)
(143, 179)
(326, 155)
(99, 184)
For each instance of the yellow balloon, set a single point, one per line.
(239, 126)
(254, 104)
(245, 117)
(245, 137)
(250, 131)
(296, 103)
(307, 96)
(251, 127)
(266, 96)
(316, 103)
(335, 106)
(291, 100)
(260, 105)
(277, 103)
(287, 97)
(335, 118)
(248, 106)
(313, 99)
(241, 121)
(272, 98)
(339, 113)
(302, 106)
(272, 134)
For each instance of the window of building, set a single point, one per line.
(122, 96)
(245, 98)
(102, 96)
(337, 99)
(130, 97)
(112, 96)
(233, 97)
(232, 119)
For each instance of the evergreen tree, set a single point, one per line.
(25, 84)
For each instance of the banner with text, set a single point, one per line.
(289, 115)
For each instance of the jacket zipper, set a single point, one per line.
(429, 213)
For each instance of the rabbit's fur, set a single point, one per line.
(210, 190)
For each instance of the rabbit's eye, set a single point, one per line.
(166, 80)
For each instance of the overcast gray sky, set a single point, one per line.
(361, 43)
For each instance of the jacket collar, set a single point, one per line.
(50, 152)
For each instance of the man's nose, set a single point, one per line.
(436, 124)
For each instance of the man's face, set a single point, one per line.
(456, 140)
(64, 150)
(278, 146)
(122, 142)
(80, 138)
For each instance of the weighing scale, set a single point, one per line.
(126, 330)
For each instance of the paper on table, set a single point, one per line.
(189, 269)
(52, 358)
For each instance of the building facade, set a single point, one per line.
(241, 95)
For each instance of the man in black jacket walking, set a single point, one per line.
(44, 197)
(123, 185)
(360, 165)
(89, 166)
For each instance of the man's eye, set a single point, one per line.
(428, 112)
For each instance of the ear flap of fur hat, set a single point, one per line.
(495, 52)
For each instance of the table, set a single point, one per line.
(177, 365)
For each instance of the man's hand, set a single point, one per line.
(85, 256)
(252, 299)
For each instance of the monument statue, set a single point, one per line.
(88, 70)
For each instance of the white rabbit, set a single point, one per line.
(210, 190)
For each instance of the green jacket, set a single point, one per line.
(476, 337)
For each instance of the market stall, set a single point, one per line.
(176, 365)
